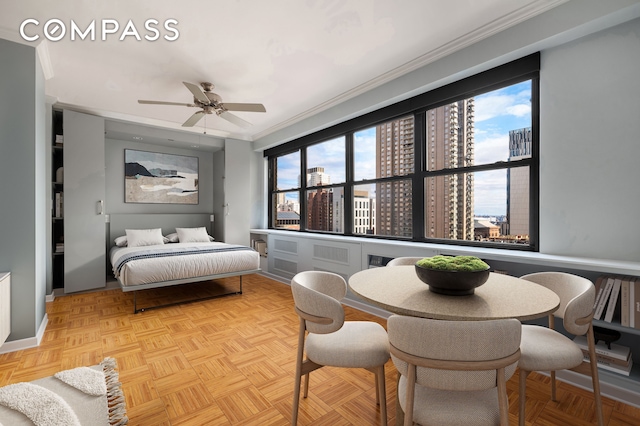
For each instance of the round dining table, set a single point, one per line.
(398, 289)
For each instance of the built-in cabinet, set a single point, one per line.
(293, 252)
(78, 223)
(5, 306)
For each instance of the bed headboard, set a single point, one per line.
(167, 222)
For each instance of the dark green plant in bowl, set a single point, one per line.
(452, 275)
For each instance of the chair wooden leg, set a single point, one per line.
(306, 386)
(553, 385)
(595, 379)
(296, 388)
(382, 394)
(522, 396)
(399, 411)
(411, 388)
(377, 387)
(503, 401)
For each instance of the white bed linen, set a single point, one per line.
(160, 269)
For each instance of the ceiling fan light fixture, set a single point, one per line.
(211, 102)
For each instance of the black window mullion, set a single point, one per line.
(303, 189)
(271, 166)
(348, 187)
(417, 184)
(534, 170)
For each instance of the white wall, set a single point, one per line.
(590, 146)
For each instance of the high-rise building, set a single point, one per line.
(449, 144)
(320, 210)
(316, 177)
(394, 145)
(319, 201)
(518, 183)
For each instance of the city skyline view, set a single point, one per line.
(496, 113)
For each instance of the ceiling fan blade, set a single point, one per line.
(234, 119)
(244, 107)
(193, 119)
(164, 103)
(197, 92)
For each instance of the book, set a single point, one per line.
(603, 298)
(616, 351)
(58, 205)
(625, 305)
(599, 285)
(608, 360)
(613, 299)
(624, 370)
(635, 303)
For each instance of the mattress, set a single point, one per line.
(179, 261)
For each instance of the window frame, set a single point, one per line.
(523, 69)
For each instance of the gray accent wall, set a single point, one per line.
(23, 209)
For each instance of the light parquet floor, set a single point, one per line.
(231, 361)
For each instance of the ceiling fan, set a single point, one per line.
(211, 103)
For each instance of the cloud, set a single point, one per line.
(490, 192)
(490, 148)
(513, 100)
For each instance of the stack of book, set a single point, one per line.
(58, 208)
(617, 359)
(59, 139)
(59, 247)
(618, 297)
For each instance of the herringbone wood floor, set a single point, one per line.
(231, 361)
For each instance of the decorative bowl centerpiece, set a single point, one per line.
(452, 275)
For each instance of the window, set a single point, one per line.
(287, 203)
(456, 165)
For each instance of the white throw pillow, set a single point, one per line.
(172, 238)
(193, 235)
(144, 237)
(121, 241)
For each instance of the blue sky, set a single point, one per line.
(496, 113)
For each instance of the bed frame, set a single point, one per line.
(167, 222)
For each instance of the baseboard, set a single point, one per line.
(607, 389)
(29, 342)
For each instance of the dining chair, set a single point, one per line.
(454, 372)
(332, 341)
(399, 261)
(545, 349)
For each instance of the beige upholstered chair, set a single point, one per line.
(544, 349)
(454, 372)
(332, 341)
(404, 261)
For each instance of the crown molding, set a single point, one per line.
(526, 12)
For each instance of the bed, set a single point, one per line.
(152, 260)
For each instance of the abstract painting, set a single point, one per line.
(154, 177)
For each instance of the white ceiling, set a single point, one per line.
(297, 57)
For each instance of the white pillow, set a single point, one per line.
(193, 235)
(144, 237)
(172, 238)
(121, 241)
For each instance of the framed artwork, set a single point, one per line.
(154, 177)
